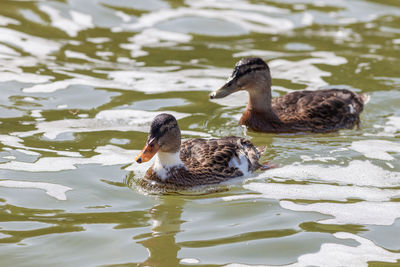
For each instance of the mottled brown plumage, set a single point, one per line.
(300, 111)
(204, 161)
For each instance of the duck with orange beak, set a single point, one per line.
(193, 162)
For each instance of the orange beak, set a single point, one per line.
(149, 150)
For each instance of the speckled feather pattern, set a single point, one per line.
(301, 111)
(206, 162)
(310, 111)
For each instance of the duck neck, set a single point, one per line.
(166, 161)
(259, 114)
(259, 101)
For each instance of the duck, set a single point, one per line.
(318, 111)
(181, 165)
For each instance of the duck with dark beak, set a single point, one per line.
(227, 89)
(300, 111)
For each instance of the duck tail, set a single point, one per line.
(261, 149)
(365, 98)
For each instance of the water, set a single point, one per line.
(80, 82)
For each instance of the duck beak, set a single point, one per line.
(227, 89)
(149, 150)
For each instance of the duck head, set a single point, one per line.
(250, 74)
(164, 136)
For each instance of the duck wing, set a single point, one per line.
(220, 157)
(321, 110)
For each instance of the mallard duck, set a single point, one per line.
(194, 162)
(301, 111)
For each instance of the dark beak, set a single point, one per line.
(227, 89)
(149, 150)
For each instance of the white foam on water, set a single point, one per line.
(319, 192)
(307, 19)
(361, 213)
(135, 50)
(394, 122)
(16, 142)
(189, 261)
(361, 67)
(73, 54)
(134, 117)
(104, 53)
(84, 20)
(260, 53)
(4, 21)
(79, 55)
(72, 26)
(36, 113)
(251, 21)
(304, 71)
(54, 190)
(27, 152)
(108, 155)
(15, 64)
(12, 141)
(151, 80)
(7, 50)
(390, 165)
(154, 38)
(391, 128)
(106, 120)
(63, 84)
(22, 225)
(24, 77)
(334, 255)
(31, 44)
(339, 36)
(99, 40)
(63, 106)
(376, 149)
(237, 5)
(30, 99)
(4, 235)
(306, 158)
(125, 17)
(361, 173)
(9, 157)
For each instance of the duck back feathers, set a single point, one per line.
(321, 110)
(206, 162)
(218, 153)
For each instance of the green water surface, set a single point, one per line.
(80, 82)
